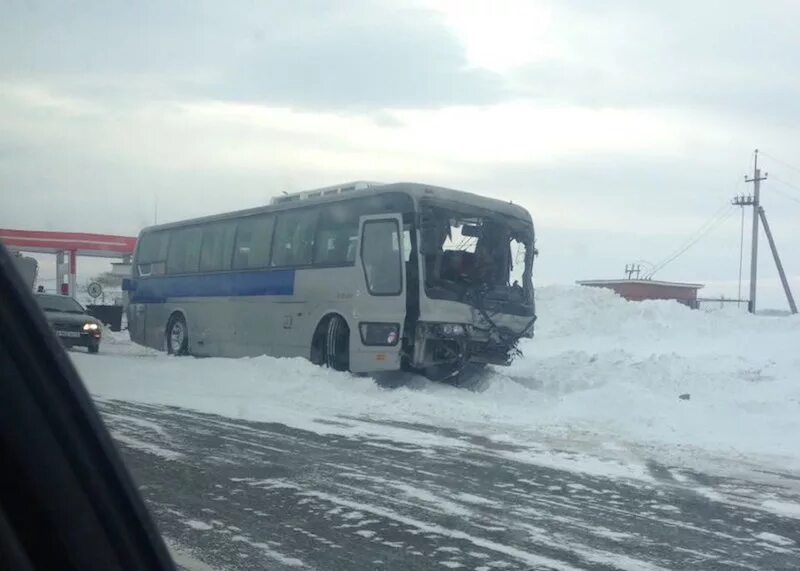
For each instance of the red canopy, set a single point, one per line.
(99, 245)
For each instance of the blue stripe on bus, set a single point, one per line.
(230, 284)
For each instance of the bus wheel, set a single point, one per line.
(336, 344)
(177, 335)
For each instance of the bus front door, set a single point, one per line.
(380, 297)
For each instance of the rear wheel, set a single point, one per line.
(177, 336)
(332, 344)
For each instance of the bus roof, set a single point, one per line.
(417, 190)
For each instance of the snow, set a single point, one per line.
(198, 525)
(147, 447)
(782, 507)
(775, 538)
(596, 391)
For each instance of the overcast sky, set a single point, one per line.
(622, 126)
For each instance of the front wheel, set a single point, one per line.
(177, 336)
(336, 345)
(93, 347)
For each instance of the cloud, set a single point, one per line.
(723, 57)
(348, 56)
(622, 126)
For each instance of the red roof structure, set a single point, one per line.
(68, 245)
(83, 244)
(638, 290)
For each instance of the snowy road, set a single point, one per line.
(629, 436)
(248, 495)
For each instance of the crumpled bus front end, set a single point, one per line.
(476, 299)
(457, 334)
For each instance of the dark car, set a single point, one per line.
(68, 318)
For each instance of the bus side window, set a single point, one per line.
(183, 255)
(253, 242)
(216, 246)
(294, 237)
(151, 253)
(337, 232)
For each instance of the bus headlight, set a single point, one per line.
(451, 329)
(90, 327)
(379, 333)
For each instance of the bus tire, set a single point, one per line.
(332, 344)
(177, 335)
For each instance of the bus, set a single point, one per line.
(362, 277)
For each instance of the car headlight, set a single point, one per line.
(90, 327)
(379, 333)
(451, 329)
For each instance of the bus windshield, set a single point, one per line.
(476, 252)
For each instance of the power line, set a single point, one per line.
(786, 194)
(721, 215)
(784, 163)
(789, 184)
(689, 241)
(692, 243)
(691, 237)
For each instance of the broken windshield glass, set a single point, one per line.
(468, 252)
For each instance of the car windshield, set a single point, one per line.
(59, 303)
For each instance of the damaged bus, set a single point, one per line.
(362, 277)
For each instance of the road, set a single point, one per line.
(244, 495)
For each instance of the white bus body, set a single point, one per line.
(363, 277)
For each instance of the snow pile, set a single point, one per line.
(619, 367)
(603, 376)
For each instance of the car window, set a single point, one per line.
(60, 303)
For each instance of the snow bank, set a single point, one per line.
(603, 376)
(620, 367)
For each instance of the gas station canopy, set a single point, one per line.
(83, 244)
(67, 246)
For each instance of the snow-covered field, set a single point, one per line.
(597, 390)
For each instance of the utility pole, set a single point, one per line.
(743, 200)
(741, 259)
(756, 180)
(778, 264)
(754, 200)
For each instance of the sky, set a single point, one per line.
(623, 127)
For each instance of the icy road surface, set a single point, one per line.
(580, 456)
(246, 495)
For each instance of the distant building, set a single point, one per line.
(638, 290)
